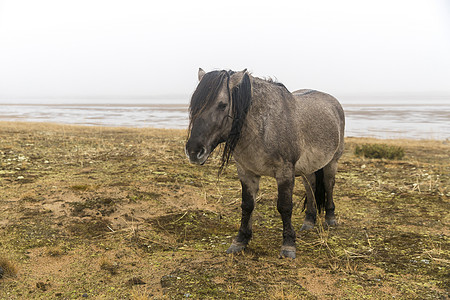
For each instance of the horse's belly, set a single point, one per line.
(258, 167)
(311, 161)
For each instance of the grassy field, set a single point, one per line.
(114, 213)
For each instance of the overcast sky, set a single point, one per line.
(108, 48)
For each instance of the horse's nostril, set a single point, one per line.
(201, 153)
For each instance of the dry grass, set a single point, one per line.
(111, 266)
(120, 213)
(55, 251)
(7, 267)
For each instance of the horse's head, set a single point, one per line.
(217, 112)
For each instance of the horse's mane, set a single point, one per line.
(240, 98)
(205, 93)
(274, 82)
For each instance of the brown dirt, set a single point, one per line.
(119, 213)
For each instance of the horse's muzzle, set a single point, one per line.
(198, 154)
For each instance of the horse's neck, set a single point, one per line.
(269, 98)
(268, 109)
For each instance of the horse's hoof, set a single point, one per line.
(236, 247)
(287, 252)
(307, 226)
(331, 221)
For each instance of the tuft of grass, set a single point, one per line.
(380, 151)
(55, 251)
(289, 291)
(32, 198)
(108, 265)
(7, 268)
(80, 187)
(140, 295)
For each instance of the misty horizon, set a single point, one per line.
(111, 49)
(360, 99)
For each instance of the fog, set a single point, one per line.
(152, 49)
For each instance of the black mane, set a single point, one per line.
(205, 93)
(239, 97)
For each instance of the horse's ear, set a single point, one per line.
(237, 78)
(201, 73)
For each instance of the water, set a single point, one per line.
(127, 115)
(419, 120)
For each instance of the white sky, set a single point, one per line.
(110, 48)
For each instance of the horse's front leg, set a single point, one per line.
(250, 186)
(284, 206)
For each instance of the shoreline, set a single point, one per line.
(184, 130)
(156, 105)
(391, 121)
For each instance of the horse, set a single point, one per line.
(269, 131)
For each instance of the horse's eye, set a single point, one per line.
(222, 106)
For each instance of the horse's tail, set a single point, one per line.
(319, 193)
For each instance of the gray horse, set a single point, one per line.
(269, 131)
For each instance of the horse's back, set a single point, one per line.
(303, 92)
(322, 121)
(315, 102)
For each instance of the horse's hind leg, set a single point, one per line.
(309, 181)
(250, 186)
(329, 172)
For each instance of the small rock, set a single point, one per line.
(84, 295)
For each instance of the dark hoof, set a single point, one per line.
(307, 226)
(236, 247)
(287, 252)
(331, 221)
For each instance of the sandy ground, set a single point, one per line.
(115, 213)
